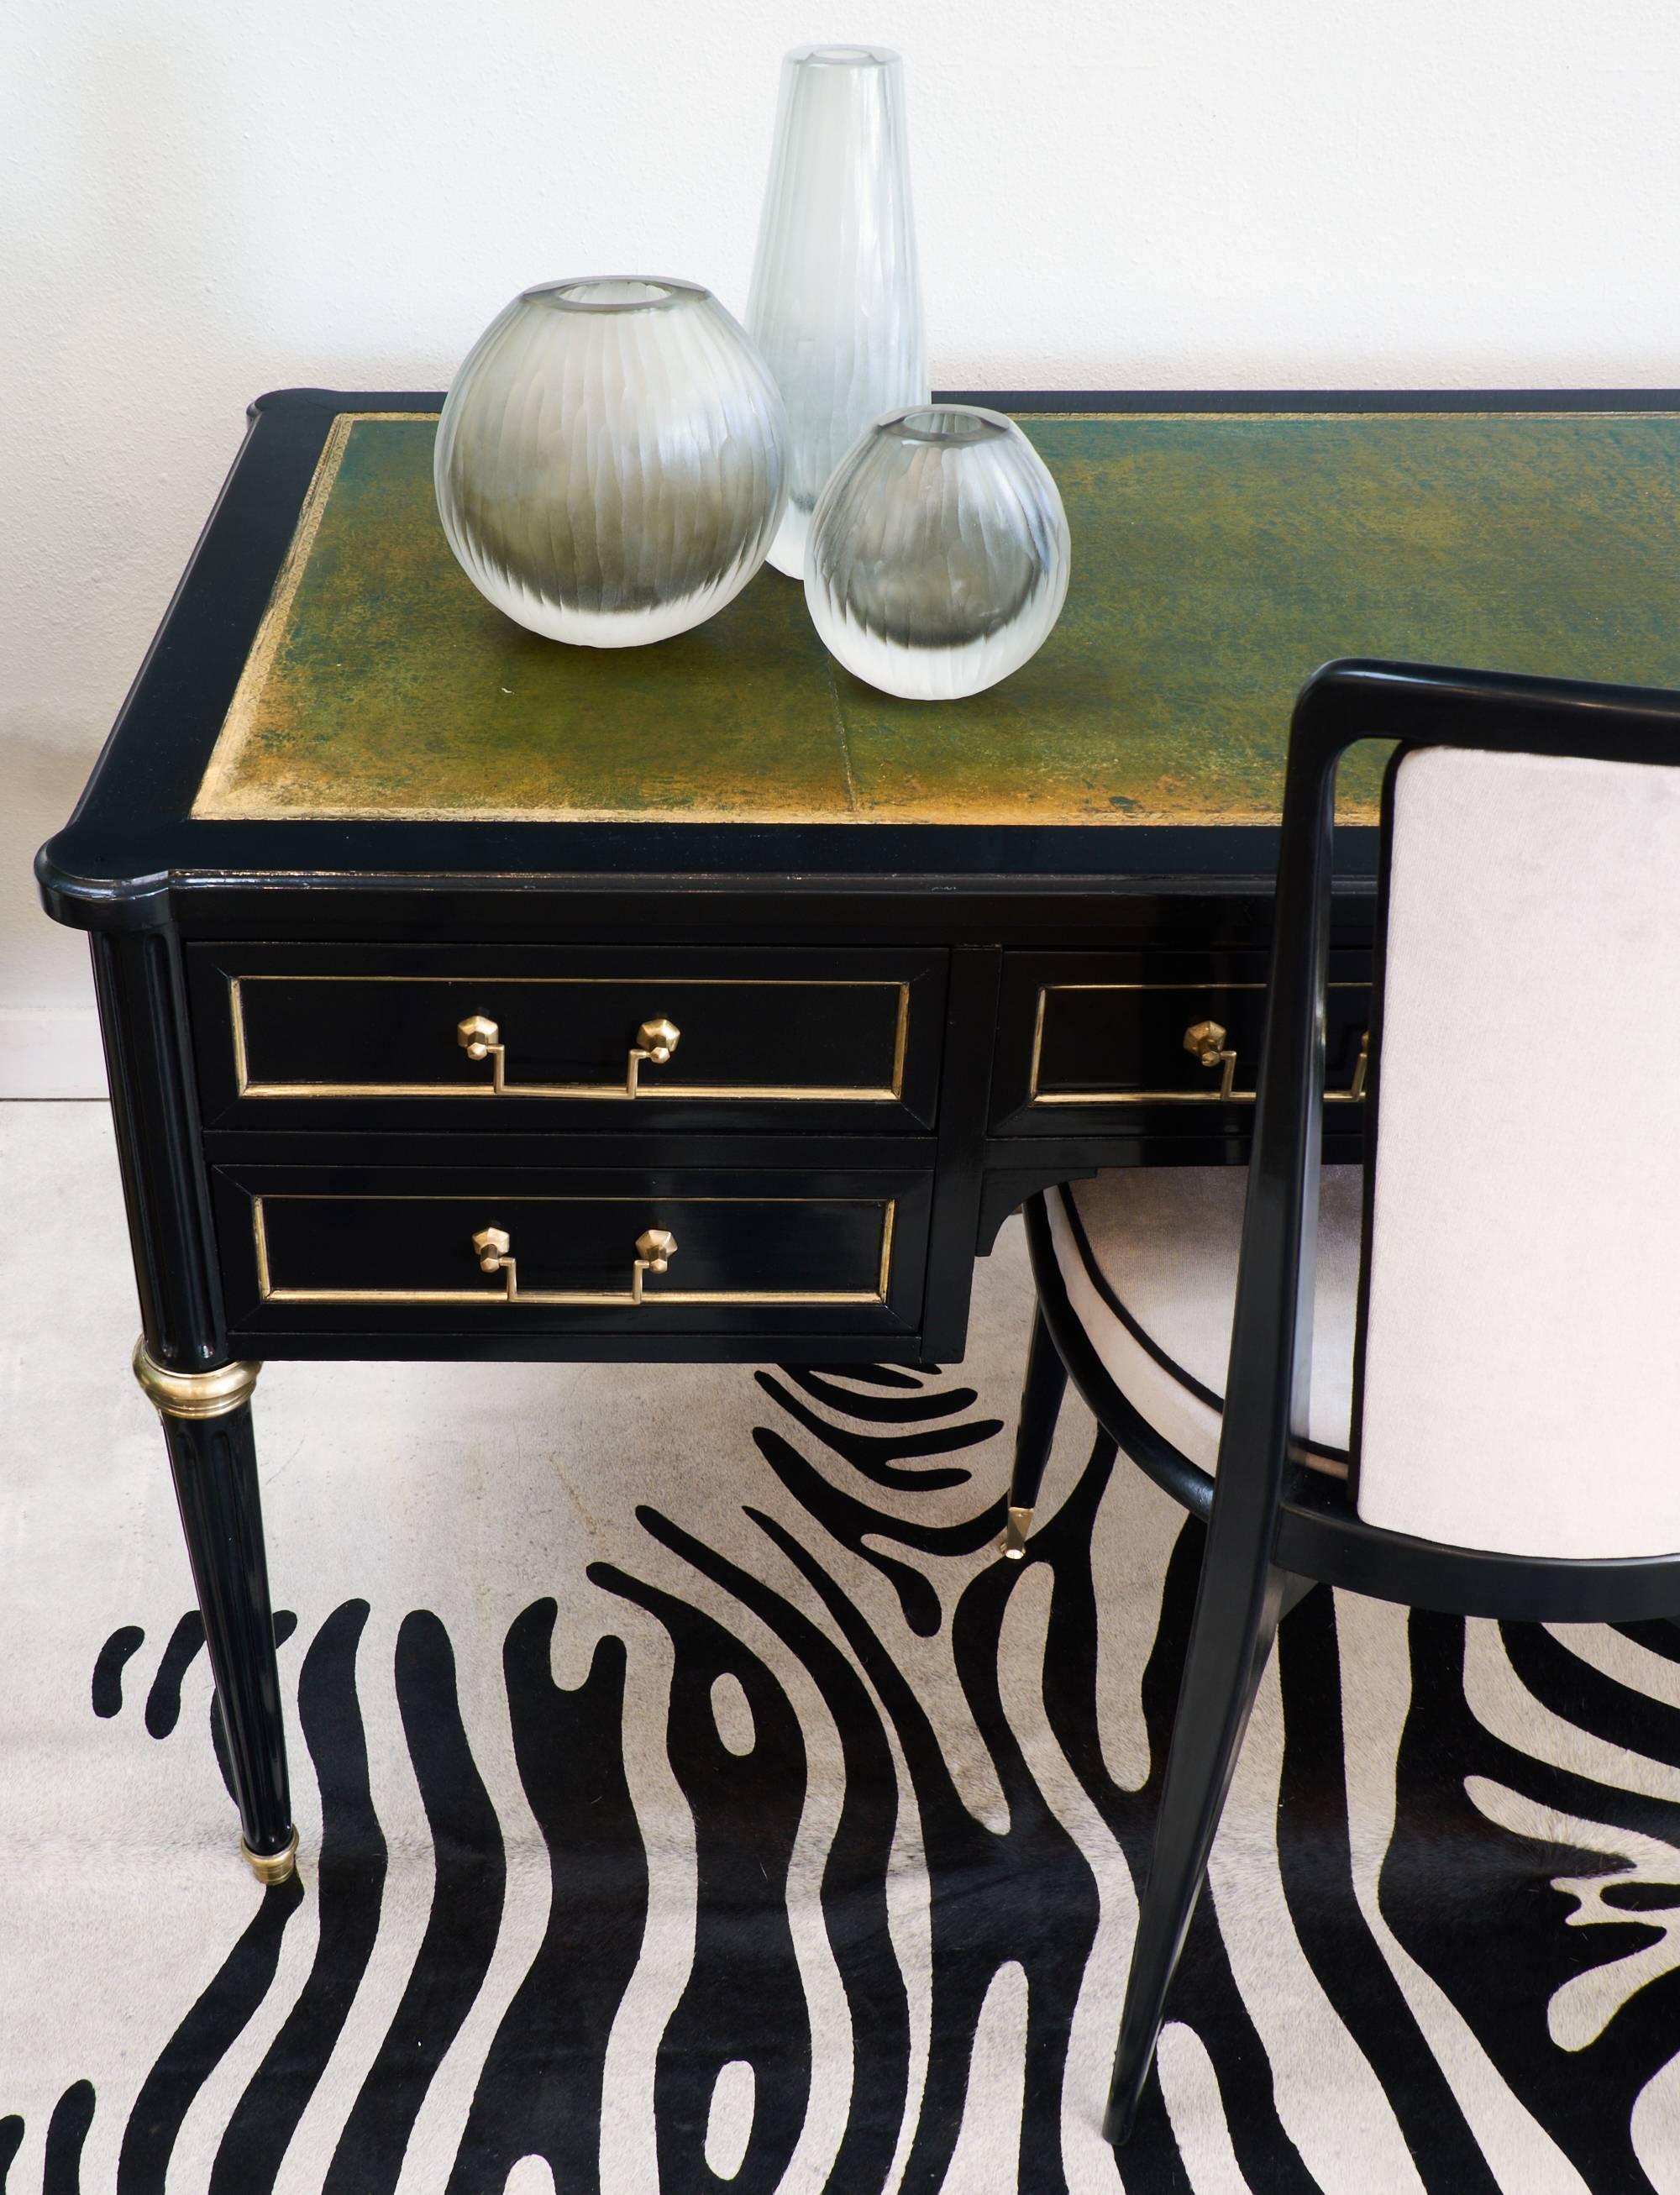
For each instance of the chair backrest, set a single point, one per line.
(1518, 1375)
(1519, 1380)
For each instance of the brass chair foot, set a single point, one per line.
(270, 1868)
(1015, 1534)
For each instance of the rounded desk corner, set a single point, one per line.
(86, 902)
(332, 401)
(296, 400)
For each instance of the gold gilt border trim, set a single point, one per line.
(1036, 1096)
(844, 1093)
(216, 799)
(236, 725)
(888, 1207)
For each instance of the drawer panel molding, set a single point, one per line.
(758, 1034)
(1088, 1041)
(572, 1250)
(1206, 1040)
(479, 1037)
(279, 1235)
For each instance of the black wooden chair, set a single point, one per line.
(1451, 1377)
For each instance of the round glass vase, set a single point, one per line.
(836, 301)
(939, 555)
(611, 460)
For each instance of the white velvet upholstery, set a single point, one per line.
(1522, 1372)
(1164, 1241)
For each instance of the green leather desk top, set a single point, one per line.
(1216, 559)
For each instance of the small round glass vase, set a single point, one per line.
(939, 554)
(612, 461)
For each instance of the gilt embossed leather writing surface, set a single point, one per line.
(1216, 558)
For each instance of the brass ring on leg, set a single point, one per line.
(270, 1868)
(1016, 1531)
(193, 1394)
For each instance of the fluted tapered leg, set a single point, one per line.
(207, 1425)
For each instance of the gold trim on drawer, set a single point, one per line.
(844, 1093)
(1214, 1097)
(268, 1293)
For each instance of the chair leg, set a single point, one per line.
(1295, 1591)
(1230, 1643)
(1040, 1406)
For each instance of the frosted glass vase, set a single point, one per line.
(835, 302)
(611, 464)
(939, 556)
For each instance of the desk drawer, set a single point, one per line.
(492, 1251)
(319, 1035)
(1093, 1040)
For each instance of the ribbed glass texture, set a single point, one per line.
(610, 463)
(939, 556)
(835, 302)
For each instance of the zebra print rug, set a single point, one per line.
(689, 1800)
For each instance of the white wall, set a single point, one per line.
(202, 198)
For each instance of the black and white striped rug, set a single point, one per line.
(690, 1801)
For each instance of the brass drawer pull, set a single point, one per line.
(654, 1251)
(1355, 1088)
(492, 1246)
(655, 1041)
(481, 1038)
(1206, 1040)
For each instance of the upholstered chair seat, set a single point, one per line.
(1148, 1259)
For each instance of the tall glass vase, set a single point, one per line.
(836, 303)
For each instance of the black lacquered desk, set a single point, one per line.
(468, 997)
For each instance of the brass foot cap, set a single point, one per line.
(270, 1868)
(1016, 1532)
